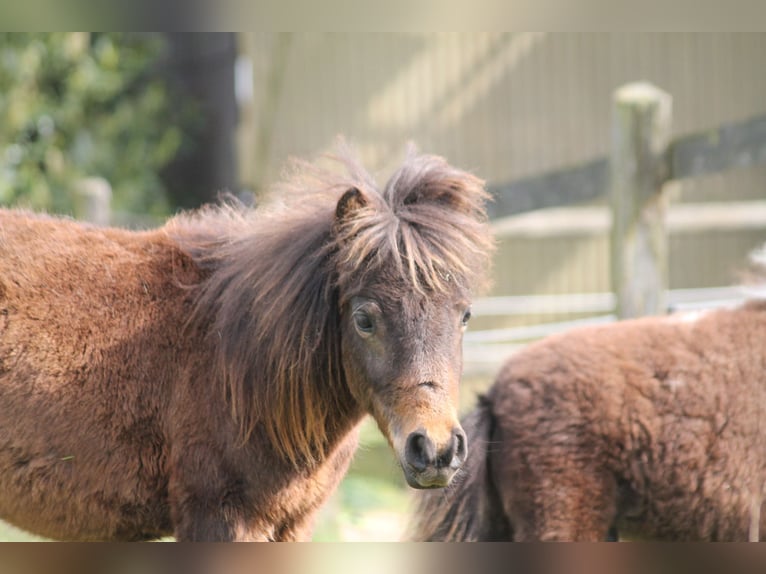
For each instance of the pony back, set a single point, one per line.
(469, 510)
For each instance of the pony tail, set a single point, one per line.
(469, 510)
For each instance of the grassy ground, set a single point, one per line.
(10, 534)
(372, 502)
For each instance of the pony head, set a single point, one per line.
(408, 259)
(347, 298)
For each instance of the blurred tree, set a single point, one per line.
(75, 105)
(201, 65)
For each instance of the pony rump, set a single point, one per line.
(271, 301)
(469, 510)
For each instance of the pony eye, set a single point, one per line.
(364, 323)
(466, 317)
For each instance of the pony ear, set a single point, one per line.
(452, 192)
(351, 201)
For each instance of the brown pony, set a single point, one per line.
(206, 379)
(651, 428)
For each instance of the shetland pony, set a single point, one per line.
(206, 379)
(649, 428)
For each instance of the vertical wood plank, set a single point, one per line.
(93, 200)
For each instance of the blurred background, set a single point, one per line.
(126, 129)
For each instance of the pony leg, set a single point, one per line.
(754, 534)
(204, 519)
(567, 516)
(225, 527)
(558, 502)
(214, 517)
(209, 507)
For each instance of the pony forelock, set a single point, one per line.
(428, 222)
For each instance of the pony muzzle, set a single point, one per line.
(428, 464)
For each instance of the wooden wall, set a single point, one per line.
(507, 106)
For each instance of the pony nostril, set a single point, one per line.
(461, 448)
(419, 451)
(454, 454)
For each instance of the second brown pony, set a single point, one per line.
(652, 428)
(206, 379)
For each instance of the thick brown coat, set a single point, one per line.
(655, 427)
(92, 347)
(205, 380)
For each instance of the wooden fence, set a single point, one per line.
(642, 161)
(633, 178)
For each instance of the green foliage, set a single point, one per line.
(76, 105)
(364, 509)
(372, 502)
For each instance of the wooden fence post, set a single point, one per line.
(641, 116)
(93, 198)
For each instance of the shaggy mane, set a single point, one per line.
(272, 299)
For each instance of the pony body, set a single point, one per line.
(96, 434)
(201, 380)
(653, 427)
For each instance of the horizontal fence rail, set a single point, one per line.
(563, 187)
(605, 302)
(734, 145)
(731, 146)
(597, 220)
(486, 350)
